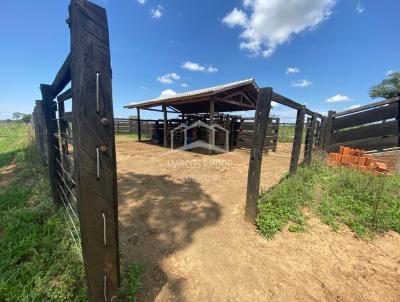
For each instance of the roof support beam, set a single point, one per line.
(235, 103)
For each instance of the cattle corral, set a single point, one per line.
(182, 213)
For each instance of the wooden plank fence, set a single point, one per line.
(132, 126)
(79, 149)
(374, 127)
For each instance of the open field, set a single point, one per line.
(181, 215)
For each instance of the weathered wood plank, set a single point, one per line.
(66, 95)
(310, 139)
(377, 144)
(263, 107)
(365, 117)
(139, 126)
(368, 106)
(165, 129)
(365, 132)
(62, 78)
(328, 129)
(94, 148)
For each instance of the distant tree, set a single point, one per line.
(388, 88)
(26, 118)
(17, 116)
(134, 117)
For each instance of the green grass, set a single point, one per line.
(367, 204)
(39, 260)
(12, 140)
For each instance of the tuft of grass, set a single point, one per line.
(12, 140)
(367, 204)
(131, 281)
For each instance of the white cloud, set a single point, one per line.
(354, 106)
(184, 85)
(301, 83)
(141, 1)
(168, 92)
(272, 23)
(338, 98)
(157, 12)
(274, 104)
(235, 17)
(168, 78)
(389, 72)
(291, 70)
(360, 8)
(197, 67)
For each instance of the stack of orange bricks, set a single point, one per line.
(356, 158)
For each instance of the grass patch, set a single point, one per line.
(12, 140)
(39, 260)
(367, 204)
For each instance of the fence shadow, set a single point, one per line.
(159, 216)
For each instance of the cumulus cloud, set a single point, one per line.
(268, 24)
(168, 78)
(360, 8)
(167, 92)
(197, 67)
(184, 85)
(141, 1)
(338, 98)
(274, 104)
(354, 106)
(157, 12)
(390, 72)
(291, 70)
(235, 17)
(302, 83)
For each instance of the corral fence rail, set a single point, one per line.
(79, 149)
(374, 127)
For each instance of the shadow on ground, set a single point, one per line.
(159, 216)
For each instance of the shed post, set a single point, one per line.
(211, 134)
(139, 125)
(164, 108)
(263, 107)
(53, 154)
(298, 135)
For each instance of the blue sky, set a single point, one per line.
(336, 49)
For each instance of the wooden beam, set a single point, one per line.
(328, 129)
(94, 148)
(261, 118)
(139, 125)
(368, 106)
(285, 101)
(156, 110)
(66, 95)
(247, 106)
(62, 78)
(298, 135)
(165, 138)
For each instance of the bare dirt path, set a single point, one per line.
(181, 215)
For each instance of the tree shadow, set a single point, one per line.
(158, 216)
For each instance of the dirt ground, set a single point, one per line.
(181, 215)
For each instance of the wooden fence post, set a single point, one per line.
(94, 148)
(298, 135)
(261, 118)
(308, 149)
(165, 138)
(53, 154)
(328, 130)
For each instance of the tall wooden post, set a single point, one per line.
(328, 130)
(298, 136)
(211, 133)
(94, 148)
(263, 108)
(139, 125)
(164, 108)
(53, 154)
(310, 135)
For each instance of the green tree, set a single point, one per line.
(26, 118)
(388, 88)
(17, 116)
